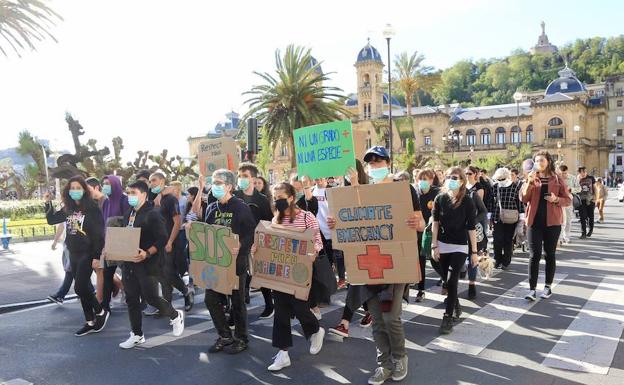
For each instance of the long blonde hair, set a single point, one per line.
(461, 193)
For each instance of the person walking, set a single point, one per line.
(588, 205)
(568, 212)
(600, 198)
(506, 210)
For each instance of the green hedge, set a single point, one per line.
(24, 209)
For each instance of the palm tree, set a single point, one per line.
(412, 77)
(295, 97)
(22, 22)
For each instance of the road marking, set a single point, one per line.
(16, 381)
(480, 329)
(589, 343)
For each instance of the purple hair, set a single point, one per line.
(118, 201)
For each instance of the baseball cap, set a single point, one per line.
(378, 151)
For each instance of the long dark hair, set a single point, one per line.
(551, 162)
(459, 197)
(70, 205)
(292, 208)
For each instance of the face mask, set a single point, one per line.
(243, 183)
(133, 200)
(76, 194)
(452, 184)
(218, 191)
(505, 183)
(378, 174)
(156, 190)
(300, 195)
(107, 189)
(424, 185)
(281, 205)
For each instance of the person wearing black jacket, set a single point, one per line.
(232, 212)
(138, 275)
(453, 237)
(506, 196)
(84, 226)
(261, 209)
(427, 191)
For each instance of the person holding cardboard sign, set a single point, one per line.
(232, 212)
(289, 215)
(384, 301)
(454, 220)
(138, 276)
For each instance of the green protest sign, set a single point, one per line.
(325, 149)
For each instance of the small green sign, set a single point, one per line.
(324, 150)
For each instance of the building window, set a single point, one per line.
(500, 135)
(516, 135)
(555, 133)
(485, 136)
(428, 140)
(620, 119)
(619, 132)
(284, 151)
(471, 137)
(619, 103)
(555, 122)
(618, 146)
(369, 110)
(369, 143)
(618, 160)
(529, 134)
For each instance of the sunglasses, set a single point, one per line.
(453, 177)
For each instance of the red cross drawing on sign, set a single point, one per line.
(374, 262)
(345, 133)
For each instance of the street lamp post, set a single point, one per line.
(518, 97)
(45, 162)
(388, 34)
(577, 130)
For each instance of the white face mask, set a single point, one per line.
(506, 183)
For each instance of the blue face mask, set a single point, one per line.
(378, 174)
(107, 189)
(243, 183)
(218, 191)
(299, 195)
(452, 184)
(76, 194)
(424, 185)
(133, 200)
(157, 189)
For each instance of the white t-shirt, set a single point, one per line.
(323, 210)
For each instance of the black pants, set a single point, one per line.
(285, 305)
(82, 270)
(107, 292)
(422, 261)
(214, 303)
(503, 242)
(454, 261)
(437, 266)
(546, 237)
(138, 284)
(586, 211)
(173, 263)
(347, 312)
(266, 293)
(340, 264)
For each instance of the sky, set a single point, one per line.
(156, 72)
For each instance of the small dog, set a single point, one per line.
(486, 266)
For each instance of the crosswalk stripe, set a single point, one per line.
(589, 343)
(480, 329)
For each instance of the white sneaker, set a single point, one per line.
(316, 341)
(531, 296)
(547, 293)
(132, 341)
(319, 315)
(178, 324)
(280, 361)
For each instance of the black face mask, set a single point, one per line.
(281, 205)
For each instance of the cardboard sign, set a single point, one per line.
(121, 243)
(213, 264)
(217, 153)
(325, 149)
(283, 259)
(371, 231)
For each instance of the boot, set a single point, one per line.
(447, 325)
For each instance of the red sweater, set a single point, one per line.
(554, 211)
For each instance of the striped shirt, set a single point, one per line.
(509, 198)
(305, 220)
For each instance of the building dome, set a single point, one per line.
(352, 100)
(395, 101)
(567, 83)
(369, 53)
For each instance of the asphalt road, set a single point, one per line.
(575, 337)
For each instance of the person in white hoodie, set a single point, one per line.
(568, 212)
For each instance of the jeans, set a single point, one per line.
(546, 237)
(82, 270)
(138, 284)
(568, 213)
(67, 282)
(586, 211)
(388, 331)
(285, 306)
(214, 303)
(454, 262)
(503, 242)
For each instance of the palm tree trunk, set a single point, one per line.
(408, 101)
(418, 99)
(291, 152)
